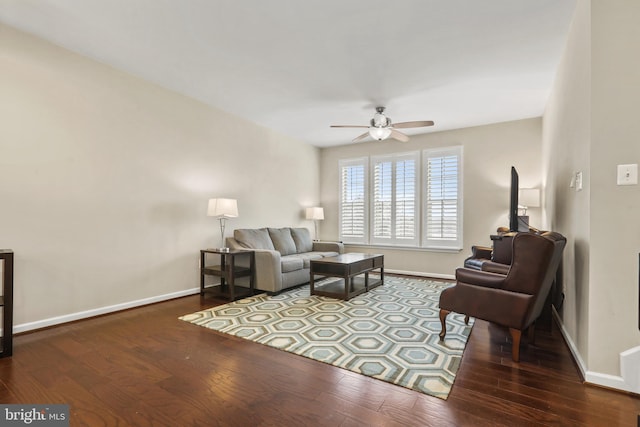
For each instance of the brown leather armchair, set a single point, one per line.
(514, 300)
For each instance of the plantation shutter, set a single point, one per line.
(353, 200)
(442, 199)
(382, 199)
(395, 198)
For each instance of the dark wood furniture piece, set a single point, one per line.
(6, 303)
(350, 267)
(228, 271)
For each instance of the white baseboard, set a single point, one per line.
(421, 274)
(572, 346)
(45, 323)
(591, 377)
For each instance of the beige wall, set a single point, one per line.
(566, 147)
(488, 154)
(615, 139)
(105, 180)
(591, 124)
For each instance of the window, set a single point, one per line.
(394, 217)
(353, 200)
(411, 203)
(442, 204)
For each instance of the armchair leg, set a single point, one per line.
(515, 346)
(443, 322)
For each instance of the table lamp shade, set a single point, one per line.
(529, 197)
(223, 208)
(315, 213)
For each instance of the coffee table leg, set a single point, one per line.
(348, 284)
(311, 282)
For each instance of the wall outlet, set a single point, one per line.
(628, 174)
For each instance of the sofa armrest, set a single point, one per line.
(484, 279)
(268, 266)
(328, 247)
(268, 271)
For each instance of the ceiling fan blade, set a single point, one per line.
(418, 124)
(361, 137)
(399, 136)
(348, 126)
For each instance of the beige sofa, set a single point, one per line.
(282, 255)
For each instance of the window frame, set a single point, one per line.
(422, 241)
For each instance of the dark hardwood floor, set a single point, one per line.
(144, 367)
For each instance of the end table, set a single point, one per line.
(6, 303)
(228, 271)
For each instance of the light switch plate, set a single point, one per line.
(628, 174)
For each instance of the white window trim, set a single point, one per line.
(439, 243)
(421, 190)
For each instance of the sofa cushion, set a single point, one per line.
(253, 238)
(302, 238)
(282, 240)
(291, 263)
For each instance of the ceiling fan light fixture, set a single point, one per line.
(380, 120)
(379, 133)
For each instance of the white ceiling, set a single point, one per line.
(298, 66)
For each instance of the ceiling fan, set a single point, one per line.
(381, 127)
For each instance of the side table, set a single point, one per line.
(6, 303)
(228, 271)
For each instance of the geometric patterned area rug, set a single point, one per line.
(389, 333)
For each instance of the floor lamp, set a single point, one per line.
(316, 214)
(223, 209)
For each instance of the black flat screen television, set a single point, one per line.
(513, 202)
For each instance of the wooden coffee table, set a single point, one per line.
(350, 267)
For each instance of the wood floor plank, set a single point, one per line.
(145, 367)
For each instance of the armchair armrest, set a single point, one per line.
(328, 247)
(483, 252)
(484, 279)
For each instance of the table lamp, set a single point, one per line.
(223, 209)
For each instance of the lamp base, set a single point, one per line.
(223, 249)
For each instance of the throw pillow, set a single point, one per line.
(302, 237)
(282, 240)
